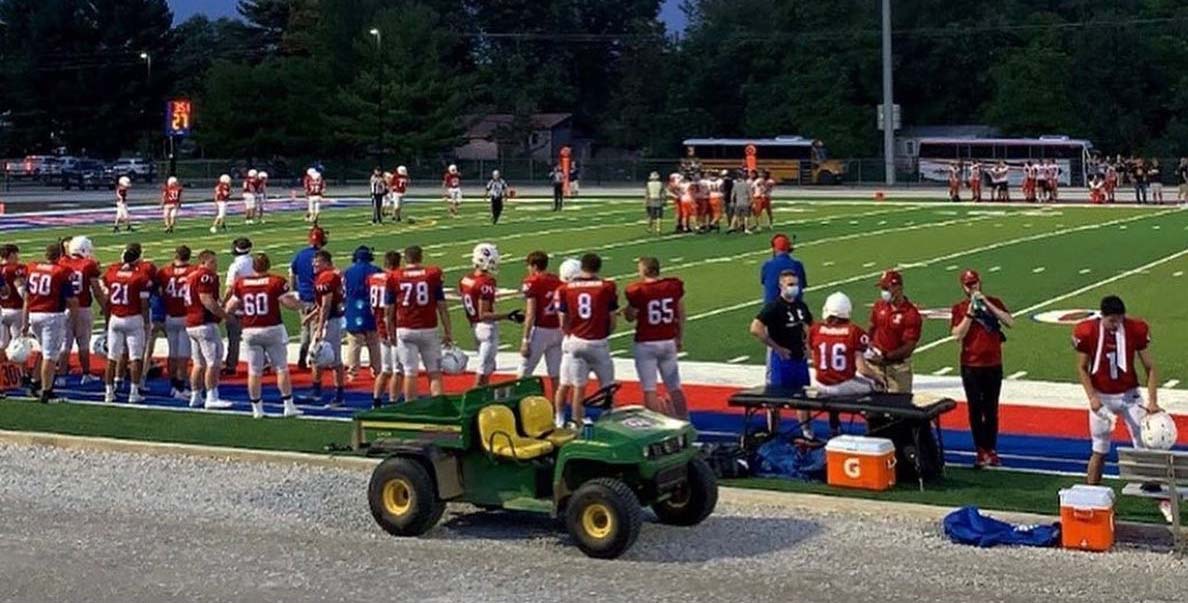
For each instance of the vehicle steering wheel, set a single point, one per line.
(604, 398)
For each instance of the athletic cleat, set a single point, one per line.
(179, 394)
(992, 459)
(217, 405)
(86, 378)
(136, 398)
(195, 401)
(109, 398)
(257, 410)
(292, 411)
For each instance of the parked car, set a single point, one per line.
(136, 168)
(32, 167)
(83, 174)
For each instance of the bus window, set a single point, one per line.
(939, 151)
(1019, 151)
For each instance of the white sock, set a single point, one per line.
(134, 389)
(109, 388)
(212, 395)
(559, 419)
(195, 397)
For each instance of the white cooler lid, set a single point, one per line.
(860, 445)
(1087, 497)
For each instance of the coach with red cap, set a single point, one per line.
(978, 322)
(894, 332)
(781, 260)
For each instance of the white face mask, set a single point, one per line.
(790, 292)
(885, 294)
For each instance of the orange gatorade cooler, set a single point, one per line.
(1087, 518)
(860, 462)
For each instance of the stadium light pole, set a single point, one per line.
(379, 89)
(148, 83)
(888, 100)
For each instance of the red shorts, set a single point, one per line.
(760, 205)
(715, 206)
(687, 208)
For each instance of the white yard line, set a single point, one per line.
(943, 371)
(1073, 293)
(995, 268)
(738, 360)
(1038, 269)
(1017, 375)
(1171, 383)
(1178, 273)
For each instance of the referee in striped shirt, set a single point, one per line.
(496, 190)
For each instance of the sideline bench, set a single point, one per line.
(1169, 469)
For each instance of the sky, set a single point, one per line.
(184, 9)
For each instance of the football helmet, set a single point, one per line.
(172, 181)
(453, 361)
(485, 257)
(312, 173)
(225, 179)
(837, 305)
(324, 355)
(80, 246)
(1159, 431)
(263, 175)
(453, 169)
(253, 173)
(99, 344)
(125, 181)
(20, 349)
(570, 269)
(403, 171)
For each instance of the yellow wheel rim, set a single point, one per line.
(397, 497)
(598, 521)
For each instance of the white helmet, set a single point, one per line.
(99, 345)
(453, 361)
(81, 246)
(317, 175)
(403, 171)
(837, 305)
(125, 181)
(172, 181)
(263, 175)
(225, 179)
(253, 173)
(312, 173)
(1159, 431)
(19, 349)
(485, 257)
(453, 169)
(324, 355)
(570, 269)
(494, 173)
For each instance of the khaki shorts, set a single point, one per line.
(898, 376)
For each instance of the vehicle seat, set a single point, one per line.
(497, 428)
(536, 418)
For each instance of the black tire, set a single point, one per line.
(604, 518)
(691, 504)
(403, 497)
(827, 178)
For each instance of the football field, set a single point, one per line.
(1041, 260)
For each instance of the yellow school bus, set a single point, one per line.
(790, 159)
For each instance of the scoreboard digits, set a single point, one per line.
(178, 117)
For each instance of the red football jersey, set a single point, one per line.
(314, 187)
(127, 290)
(475, 289)
(174, 284)
(329, 282)
(11, 273)
(172, 195)
(543, 288)
(418, 291)
(400, 184)
(381, 293)
(200, 280)
(656, 304)
(222, 192)
(249, 185)
(589, 304)
(121, 194)
(260, 299)
(1104, 356)
(835, 350)
(48, 286)
(82, 270)
(451, 180)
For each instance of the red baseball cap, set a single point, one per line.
(970, 277)
(889, 278)
(781, 242)
(317, 236)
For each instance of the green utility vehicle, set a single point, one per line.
(496, 447)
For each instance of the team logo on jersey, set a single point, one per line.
(1063, 317)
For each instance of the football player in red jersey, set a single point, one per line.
(121, 193)
(397, 190)
(975, 181)
(477, 291)
(171, 202)
(173, 285)
(451, 184)
(261, 194)
(49, 294)
(315, 188)
(1106, 348)
(587, 306)
(127, 293)
(222, 194)
(260, 298)
(420, 307)
(12, 298)
(203, 314)
(837, 345)
(327, 325)
(655, 304)
(954, 182)
(84, 274)
(250, 184)
(542, 326)
(382, 293)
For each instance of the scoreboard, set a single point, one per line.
(179, 117)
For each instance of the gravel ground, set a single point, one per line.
(127, 528)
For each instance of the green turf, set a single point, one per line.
(1027, 256)
(997, 490)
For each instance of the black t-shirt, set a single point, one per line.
(787, 324)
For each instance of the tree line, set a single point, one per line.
(308, 79)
